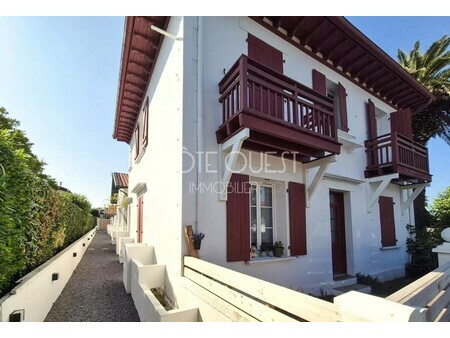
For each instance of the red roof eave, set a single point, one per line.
(140, 51)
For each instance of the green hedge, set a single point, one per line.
(36, 220)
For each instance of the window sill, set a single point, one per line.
(348, 141)
(390, 247)
(266, 260)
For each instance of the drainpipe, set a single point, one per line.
(199, 116)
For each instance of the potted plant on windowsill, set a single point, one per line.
(278, 249)
(197, 238)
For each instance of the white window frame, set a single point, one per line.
(258, 213)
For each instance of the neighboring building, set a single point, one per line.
(328, 108)
(119, 181)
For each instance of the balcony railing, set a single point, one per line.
(394, 153)
(263, 93)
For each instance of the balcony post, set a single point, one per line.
(394, 149)
(295, 108)
(333, 122)
(243, 83)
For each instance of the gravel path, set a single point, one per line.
(95, 293)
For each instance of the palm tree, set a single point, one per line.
(431, 69)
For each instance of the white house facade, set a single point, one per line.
(304, 119)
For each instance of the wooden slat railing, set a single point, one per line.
(260, 300)
(430, 292)
(393, 150)
(252, 87)
(412, 154)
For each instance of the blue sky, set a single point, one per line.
(59, 77)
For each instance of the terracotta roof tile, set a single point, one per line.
(120, 180)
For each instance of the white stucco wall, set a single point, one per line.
(159, 165)
(170, 202)
(224, 41)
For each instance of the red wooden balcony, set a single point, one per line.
(394, 153)
(281, 114)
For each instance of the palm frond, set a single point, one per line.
(436, 49)
(403, 58)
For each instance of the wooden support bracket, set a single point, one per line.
(416, 190)
(381, 183)
(229, 152)
(323, 165)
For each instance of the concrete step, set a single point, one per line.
(344, 281)
(355, 287)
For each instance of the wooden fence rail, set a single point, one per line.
(431, 292)
(259, 299)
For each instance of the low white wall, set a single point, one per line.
(122, 242)
(36, 292)
(141, 253)
(143, 279)
(118, 236)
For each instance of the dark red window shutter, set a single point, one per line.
(387, 221)
(238, 219)
(265, 54)
(401, 122)
(145, 121)
(343, 107)
(371, 120)
(297, 218)
(136, 141)
(272, 58)
(319, 82)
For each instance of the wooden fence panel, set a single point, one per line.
(300, 305)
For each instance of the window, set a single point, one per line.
(332, 93)
(337, 93)
(136, 142)
(145, 122)
(382, 120)
(261, 216)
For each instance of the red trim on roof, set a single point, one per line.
(140, 49)
(326, 39)
(352, 55)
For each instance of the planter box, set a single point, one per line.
(146, 277)
(36, 292)
(139, 252)
(119, 234)
(122, 242)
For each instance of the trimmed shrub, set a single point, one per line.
(36, 220)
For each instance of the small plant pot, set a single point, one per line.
(197, 244)
(278, 252)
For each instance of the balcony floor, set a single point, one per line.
(406, 174)
(268, 134)
(95, 292)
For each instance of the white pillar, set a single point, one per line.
(443, 250)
